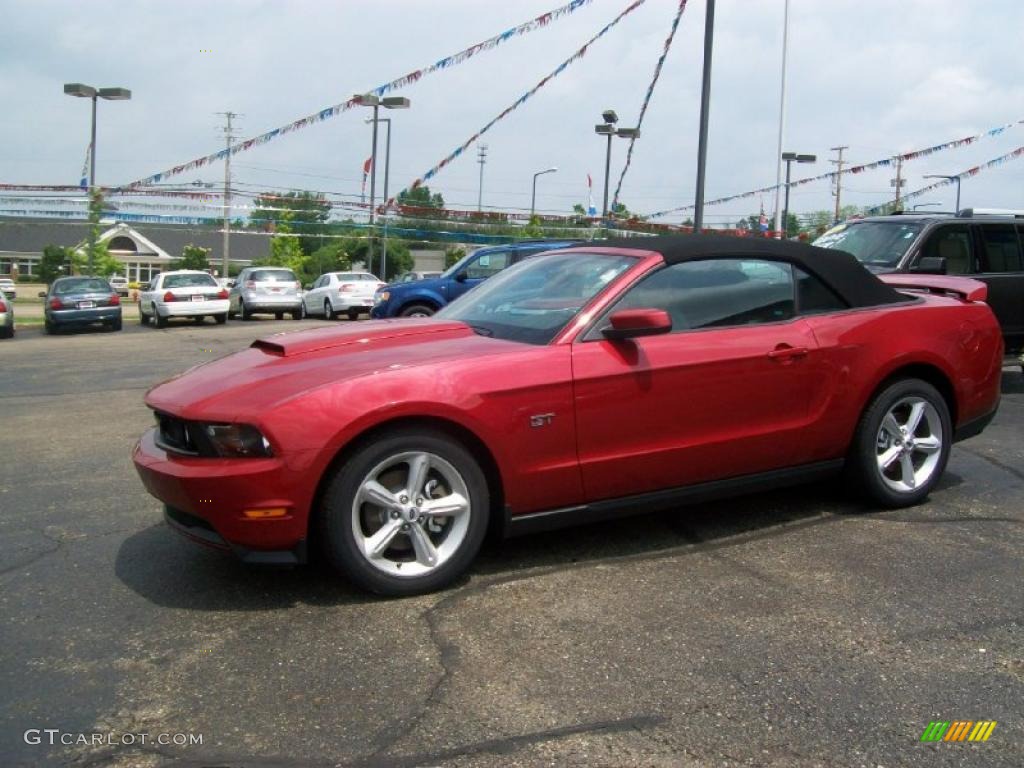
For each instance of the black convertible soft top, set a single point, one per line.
(838, 269)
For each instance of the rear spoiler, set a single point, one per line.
(962, 287)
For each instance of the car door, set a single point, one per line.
(726, 393)
(1000, 267)
(314, 297)
(236, 290)
(478, 269)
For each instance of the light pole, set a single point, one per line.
(375, 101)
(607, 128)
(782, 110)
(533, 197)
(88, 92)
(789, 157)
(948, 178)
(705, 106)
(387, 173)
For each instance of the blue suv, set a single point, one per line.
(422, 298)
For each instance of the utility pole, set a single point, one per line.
(898, 182)
(228, 137)
(481, 158)
(839, 177)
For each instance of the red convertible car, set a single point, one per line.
(579, 384)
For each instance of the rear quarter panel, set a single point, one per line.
(863, 348)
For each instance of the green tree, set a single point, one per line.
(285, 249)
(452, 254)
(193, 257)
(104, 264)
(305, 213)
(400, 259)
(420, 197)
(56, 261)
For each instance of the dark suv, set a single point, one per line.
(422, 298)
(985, 245)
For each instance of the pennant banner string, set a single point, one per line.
(647, 98)
(889, 161)
(333, 111)
(579, 54)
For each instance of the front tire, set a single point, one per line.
(328, 310)
(902, 444)
(417, 310)
(406, 514)
(143, 317)
(244, 310)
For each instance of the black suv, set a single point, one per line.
(985, 245)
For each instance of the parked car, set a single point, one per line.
(6, 316)
(8, 288)
(576, 385)
(335, 293)
(409, 277)
(120, 284)
(80, 301)
(984, 246)
(182, 293)
(422, 298)
(266, 290)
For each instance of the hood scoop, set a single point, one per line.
(374, 332)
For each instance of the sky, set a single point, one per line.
(880, 77)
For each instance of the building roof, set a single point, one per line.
(31, 236)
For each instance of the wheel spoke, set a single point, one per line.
(426, 554)
(886, 459)
(890, 425)
(376, 493)
(419, 466)
(914, 420)
(907, 467)
(378, 543)
(930, 444)
(449, 506)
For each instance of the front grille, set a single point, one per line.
(181, 436)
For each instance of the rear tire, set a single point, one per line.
(7, 332)
(901, 445)
(158, 319)
(279, 315)
(353, 314)
(49, 328)
(198, 319)
(416, 551)
(221, 319)
(417, 310)
(298, 314)
(116, 325)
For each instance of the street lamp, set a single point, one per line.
(375, 101)
(607, 128)
(88, 92)
(533, 197)
(948, 178)
(789, 157)
(387, 172)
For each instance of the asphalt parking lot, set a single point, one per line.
(794, 628)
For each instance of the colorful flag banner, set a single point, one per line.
(579, 54)
(884, 163)
(84, 182)
(647, 98)
(1018, 152)
(333, 111)
(591, 208)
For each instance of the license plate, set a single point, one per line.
(86, 304)
(198, 298)
(275, 290)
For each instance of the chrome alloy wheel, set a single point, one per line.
(411, 514)
(909, 444)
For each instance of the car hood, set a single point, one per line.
(279, 368)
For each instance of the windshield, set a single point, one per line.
(187, 281)
(874, 243)
(80, 285)
(535, 299)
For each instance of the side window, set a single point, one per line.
(813, 296)
(714, 293)
(487, 264)
(952, 243)
(1000, 249)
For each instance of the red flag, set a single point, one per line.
(367, 165)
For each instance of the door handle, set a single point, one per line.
(784, 352)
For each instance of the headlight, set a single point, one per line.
(237, 440)
(381, 296)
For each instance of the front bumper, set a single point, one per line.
(193, 308)
(84, 316)
(215, 492)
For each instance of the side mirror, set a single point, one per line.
(930, 265)
(461, 277)
(42, 294)
(630, 323)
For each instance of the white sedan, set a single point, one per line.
(341, 292)
(183, 293)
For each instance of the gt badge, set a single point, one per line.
(541, 419)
